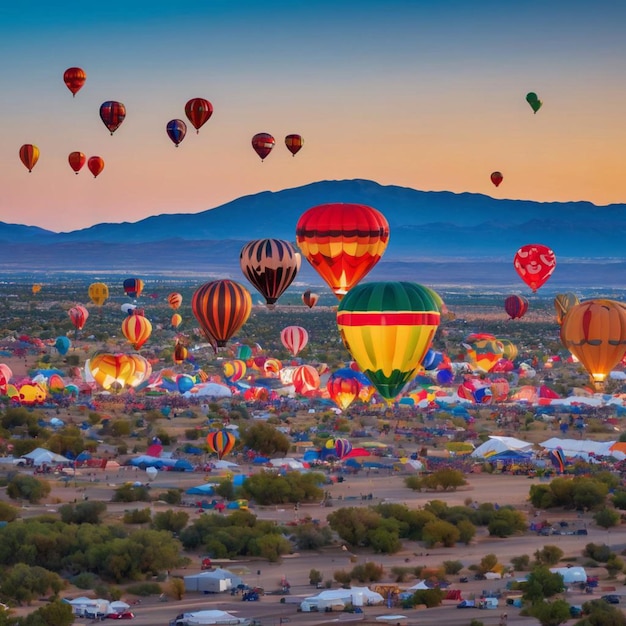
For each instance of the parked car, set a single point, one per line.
(610, 598)
(466, 604)
(122, 615)
(575, 610)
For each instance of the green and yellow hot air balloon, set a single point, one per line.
(387, 328)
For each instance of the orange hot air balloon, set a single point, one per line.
(180, 353)
(343, 242)
(294, 143)
(221, 307)
(271, 266)
(198, 112)
(137, 329)
(497, 178)
(594, 331)
(29, 155)
(343, 387)
(262, 143)
(78, 314)
(74, 78)
(111, 371)
(36, 288)
(235, 370)
(112, 114)
(176, 320)
(534, 263)
(221, 442)
(309, 298)
(142, 371)
(174, 300)
(305, 379)
(76, 160)
(99, 293)
(95, 165)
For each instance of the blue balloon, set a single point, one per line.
(185, 383)
(62, 344)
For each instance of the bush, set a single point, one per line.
(130, 493)
(429, 597)
(599, 552)
(521, 563)
(84, 580)
(137, 516)
(452, 567)
(172, 496)
(29, 488)
(548, 555)
(607, 518)
(145, 589)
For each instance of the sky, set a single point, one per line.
(427, 94)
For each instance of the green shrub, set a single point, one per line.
(145, 589)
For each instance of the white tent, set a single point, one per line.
(208, 617)
(39, 456)
(84, 606)
(289, 462)
(583, 448)
(571, 574)
(214, 581)
(496, 445)
(357, 596)
(421, 584)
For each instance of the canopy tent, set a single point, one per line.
(583, 448)
(497, 445)
(357, 596)
(571, 574)
(213, 616)
(39, 456)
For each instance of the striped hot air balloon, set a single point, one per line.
(78, 314)
(294, 338)
(112, 114)
(516, 306)
(343, 387)
(387, 327)
(137, 329)
(111, 371)
(221, 307)
(309, 298)
(221, 442)
(343, 448)
(133, 287)
(271, 266)
(174, 300)
(235, 370)
(305, 379)
(342, 242)
(563, 302)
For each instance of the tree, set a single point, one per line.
(56, 613)
(265, 439)
(24, 583)
(548, 555)
(440, 532)
(83, 512)
(506, 522)
(541, 584)
(601, 613)
(550, 613)
(467, 530)
(452, 567)
(29, 488)
(487, 563)
(607, 518)
(520, 563)
(315, 577)
(177, 587)
(172, 521)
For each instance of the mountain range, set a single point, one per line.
(449, 236)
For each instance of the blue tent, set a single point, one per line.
(182, 465)
(201, 490)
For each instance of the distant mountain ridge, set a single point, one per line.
(423, 225)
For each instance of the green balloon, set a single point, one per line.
(533, 100)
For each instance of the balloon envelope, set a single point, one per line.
(221, 442)
(497, 178)
(198, 112)
(534, 264)
(262, 144)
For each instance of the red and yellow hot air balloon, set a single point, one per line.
(271, 266)
(111, 371)
(198, 112)
(563, 302)
(174, 300)
(133, 287)
(342, 242)
(516, 306)
(95, 165)
(180, 353)
(142, 371)
(309, 298)
(305, 379)
(594, 331)
(74, 79)
(176, 321)
(78, 314)
(29, 155)
(221, 442)
(98, 293)
(294, 143)
(137, 329)
(482, 351)
(262, 144)
(294, 338)
(112, 114)
(343, 387)
(388, 327)
(534, 263)
(235, 370)
(76, 160)
(221, 307)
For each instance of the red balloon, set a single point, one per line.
(112, 114)
(78, 314)
(74, 78)
(516, 306)
(534, 263)
(497, 178)
(263, 144)
(95, 165)
(198, 112)
(309, 298)
(29, 155)
(294, 143)
(76, 160)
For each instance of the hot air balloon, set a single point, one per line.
(111, 371)
(29, 155)
(133, 287)
(174, 300)
(533, 101)
(78, 314)
(62, 344)
(137, 329)
(198, 112)
(74, 78)
(496, 178)
(112, 113)
(36, 288)
(343, 448)
(221, 307)
(180, 353)
(262, 143)
(534, 263)
(516, 306)
(387, 327)
(342, 242)
(343, 387)
(309, 298)
(221, 442)
(509, 349)
(594, 331)
(483, 351)
(235, 370)
(271, 266)
(128, 308)
(176, 131)
(76, 160)
(99, 293)
(294, 338)
(142, 370)
(305, 379)
(95, 164)
(294, 143)
(563, 302)
(476, 391)
(176, 320)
